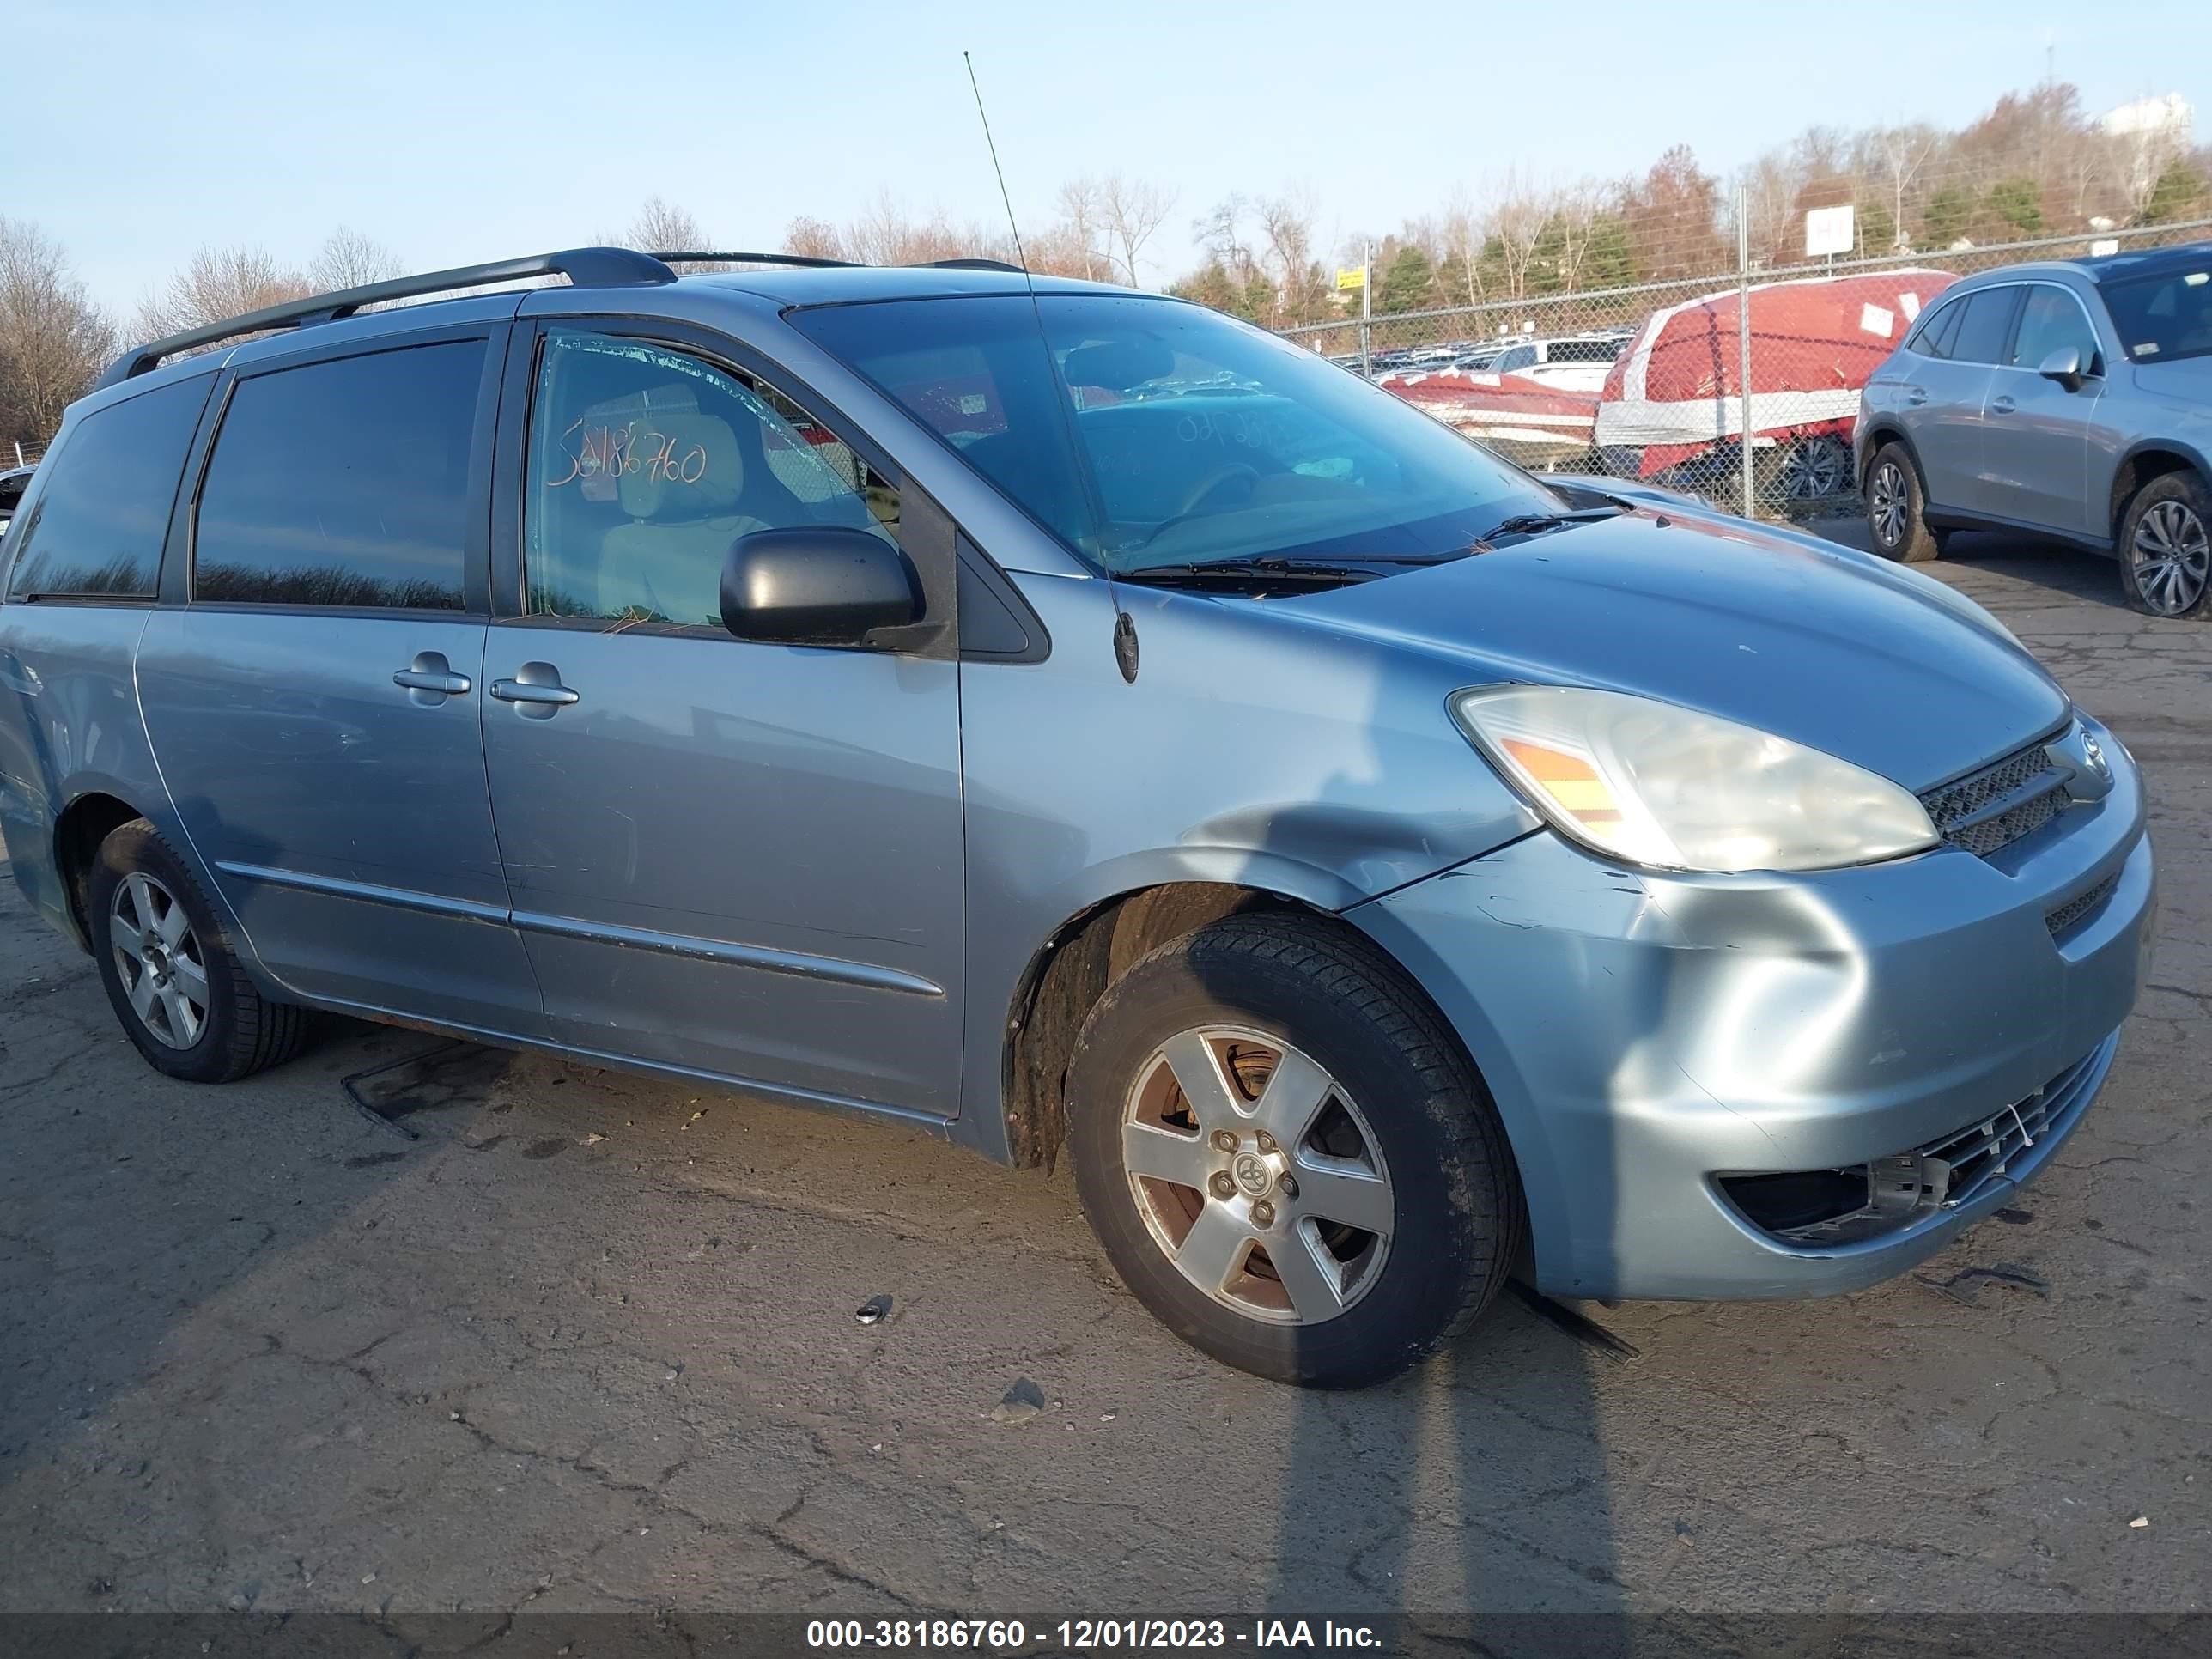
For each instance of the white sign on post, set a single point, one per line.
(1831, 230)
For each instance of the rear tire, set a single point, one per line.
(1380, 1221)
(2165, 563)
(1896, 509)
(170, 972)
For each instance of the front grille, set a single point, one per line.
(2081, 904)
(1991, 808)
(1846, 1206)
(1979, 1154)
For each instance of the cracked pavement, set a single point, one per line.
(588, 1343)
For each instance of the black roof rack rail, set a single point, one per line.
(975, 264)
(586, 267)
(806, 260)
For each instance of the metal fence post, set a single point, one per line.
(1743, 348)
(1366, 309)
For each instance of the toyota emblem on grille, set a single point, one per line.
(2082, 757)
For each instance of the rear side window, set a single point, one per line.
(98, 529)
(1982, 330)
(344, 483)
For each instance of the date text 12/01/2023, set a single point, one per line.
(1013, 1635)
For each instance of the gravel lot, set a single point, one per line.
(589, 1342)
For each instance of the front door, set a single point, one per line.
(2038, 431)
(317, 706)
(1947, 420)
(730, 857)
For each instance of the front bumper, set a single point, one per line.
(1646, 1034)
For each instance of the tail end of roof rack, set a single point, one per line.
(585, 267)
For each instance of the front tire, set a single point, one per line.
(170, 972)
(2165, 560)
(1287, 1157)
(1897, 508)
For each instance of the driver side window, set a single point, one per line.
(646, 462)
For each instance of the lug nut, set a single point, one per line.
(1222, 1186)
(1224, 1141)
(1263, 1214)
(1288, 1184)
(1266, 1141)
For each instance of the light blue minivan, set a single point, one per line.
(1069, 719)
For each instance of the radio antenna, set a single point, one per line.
(992, 144)
(1125, 625)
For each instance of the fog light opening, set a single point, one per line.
(1841, 1206)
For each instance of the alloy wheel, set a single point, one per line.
(2171, 557)
(1887, 504)
(1257, 1175)
(158, 955)
(1816, 471)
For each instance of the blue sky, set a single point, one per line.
(454, 134)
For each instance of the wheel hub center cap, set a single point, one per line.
(1252, 1175)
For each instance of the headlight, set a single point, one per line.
(1673, 789)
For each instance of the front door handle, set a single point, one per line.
(536, 691)
(2001, 405)
(429, 679)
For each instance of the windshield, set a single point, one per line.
(2162, 318)
(1160, 434)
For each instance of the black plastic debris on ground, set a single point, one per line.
(873, 1310)
(451, 1075)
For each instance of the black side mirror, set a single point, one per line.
(817, 585)
(2064, 366)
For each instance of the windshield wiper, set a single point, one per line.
(1535, 523)
(1243, 572)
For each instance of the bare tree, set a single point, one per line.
(661, 226)
(1134, 210)
(1517, 221)
(1463, 233)
(813, 239)
(1904, 151)
(1287, 223)
(54, 340)
(1082, 220)
(219, 283)
(348, 258)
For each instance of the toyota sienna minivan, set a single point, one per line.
(1074, 722)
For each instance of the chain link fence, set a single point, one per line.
(1648, 381)
(20, 454)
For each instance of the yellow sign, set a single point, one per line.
(1356, 277)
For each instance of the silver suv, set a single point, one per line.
(1069, 721)
(2074, 400)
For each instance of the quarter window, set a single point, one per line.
(646, 464)
(344, 483)
(1933, 337)
(2050, 321)
(100, 525)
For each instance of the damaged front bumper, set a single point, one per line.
(1782, 1085)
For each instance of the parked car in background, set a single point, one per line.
(1574, 362)
(1068, 721)
(1541, 427)
(1672, 406)
(12, 482)
(2071, 398)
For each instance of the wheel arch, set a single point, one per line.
(1069, 973)
(1888, 430)
(79, 829)
(2152, 458)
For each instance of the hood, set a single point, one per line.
(1824, 645)
(2186, 380)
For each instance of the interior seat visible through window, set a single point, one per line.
(646, 464)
